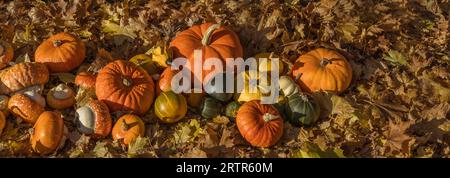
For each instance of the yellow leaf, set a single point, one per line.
(396, 57)
(115, 29)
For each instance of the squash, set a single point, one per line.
(4, 105)
(6, 53)
(61, 97)
(265, 66)
(145, 61)
(165, 80)
(261, 125)
(246, 94)
(288, 86)
(22, 75)
(2, 122)
(123, 86)
(210, 108)
(85, 80)
(219, 93)
(322, 70)
(170, 107)
(128, 128)
(194, 99)
(214, 40)
(231, 109)
(48, 133)
(27, 106)
(301, 109)
(94, 119)
(62, 52)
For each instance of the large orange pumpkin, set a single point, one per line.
(48, 132)
(124, 86)
(6, 53)
(21, 76)
(261, 125)
(214, 40)
(61, 52)
(322, 70)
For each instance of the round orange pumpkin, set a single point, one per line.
(28, 106)
(322, 70)
(86, 80)
(21, 76)
(61, 52)
(213, 40)
(261, 125)
(128, 128)
(48, 132)
(123, 86)
(6, 53)
(61, 97)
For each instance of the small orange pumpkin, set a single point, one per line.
(213, 40)
(61, 97)
(165, 80)
(128, 128)
(61, 52)
(322, 70)
(48, 133)
(261, 125)
(22, 75)
(94, 119)
(6, 53)
(85, 80)
(27, 106)
(123, 86)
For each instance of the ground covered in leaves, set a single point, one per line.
(398, 104)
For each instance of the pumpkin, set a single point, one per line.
(48, 132)
(232, 108)
(128, 128)
(2, 122)
(214, 40)
(246, 94)
(170, 107)
(219, 93)
(6, 53)
(4, 105)
(302, 110)
(160, 55)
(27, 106)
(322, 70)
(261, 125)
(61, 52)
(21, 76)
(123, 86)
(210, 108)
(145, 61)
(165, 80)
(94, 119)
(61, 97)
(194, 99)
(288, 86)
(265, 66)
(85, 80)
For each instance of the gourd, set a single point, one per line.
(27, 106)
(232, 108)
(302, 110)
(128, 128)
(170, 107)
(145, 61)
(288, 86)
(210, 108)
(22, 75)
(48, 133)
(61, 97)
(94, 119)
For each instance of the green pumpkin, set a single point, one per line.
(220, 94)
(170, 107)
(210, 108)
(302, 110)
(231, 109)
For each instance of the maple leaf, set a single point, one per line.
(396, 138)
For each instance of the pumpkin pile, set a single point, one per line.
(132, 88)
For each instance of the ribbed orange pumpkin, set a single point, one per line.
(261, 125)
(124, 86)
(61, 52)
(322, 70)
(22, 75)
(214, 40)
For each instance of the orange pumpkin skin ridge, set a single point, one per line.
(48, 132)
(135, 128)
(69, 55)
(22, 75)
(103, 121)
(111, 89)
(333, 77)
(254, 129)
(26, 108)
(223, 44)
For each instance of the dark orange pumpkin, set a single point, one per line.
(6, 53)
(322, 70)
(124, 86)
(61, 52)
(213, 40)
(261, 125)
(48, 132)
(128, 128)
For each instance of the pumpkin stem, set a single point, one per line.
(126, 82)
(57, 43)
(324, 62)
(124, 125)
(207, 37)
(268, 117)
